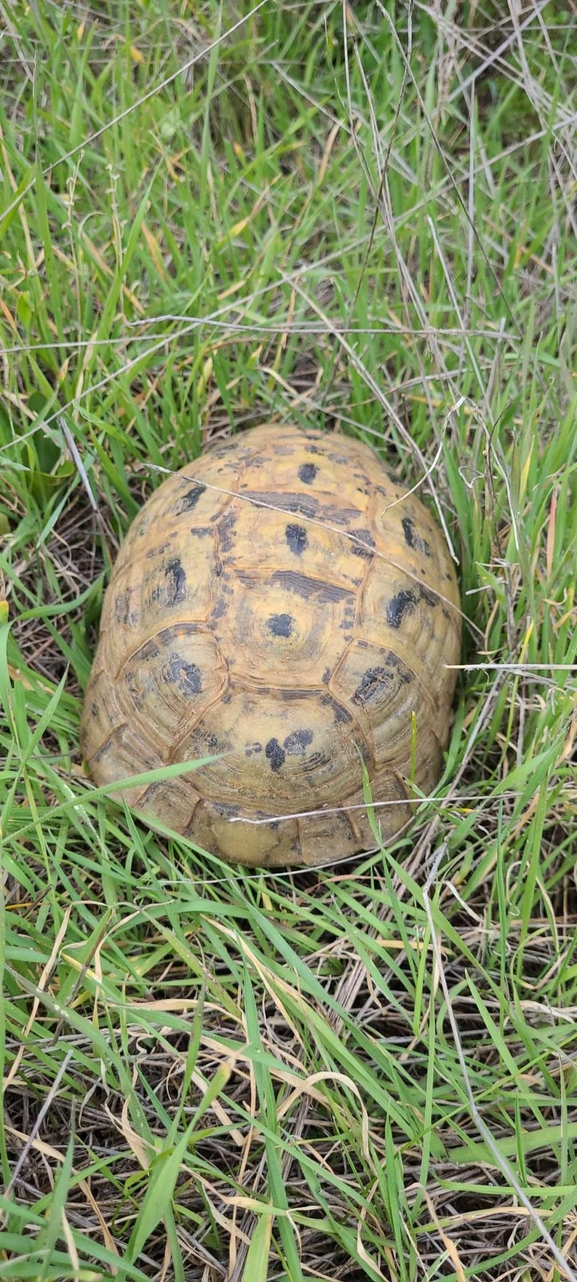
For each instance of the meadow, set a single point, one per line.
(360, 216)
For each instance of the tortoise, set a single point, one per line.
(283, 610)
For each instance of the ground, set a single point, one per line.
(360, 216)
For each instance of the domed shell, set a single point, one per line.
(281, 608)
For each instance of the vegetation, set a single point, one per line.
(361, 216)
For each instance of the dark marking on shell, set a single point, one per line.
(218, 610)
(326, 677)
(365, 546)
(310, 589)
(152, 792)
(222, 451)
(122, 606)
(156, 551)
(399, 606)
(190, 499)
(252, 749)
(200, 531)
(304, 505)
(132, 618)
(431, 598)
(307, 473)
(187, 676)
(364, 536)
(227, 811)
(348, 617)
(341, 713)
(275, 754)
(296, 537)
(175, 582)
(280, 625)
(148, 651)
(374, 684)
(225, 528)
(413, 539)
(405, 674)
(297, 743)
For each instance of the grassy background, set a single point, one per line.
(360, 217)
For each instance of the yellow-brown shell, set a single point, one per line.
(280, 605)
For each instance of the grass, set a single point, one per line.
(359, 217)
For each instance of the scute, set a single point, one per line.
(102, 712)
(279, 605)
(178, 582)
(415, 622)
(172, 802)
(168, 682)
(121, 755)
(273, 636)
(268, 843)
(335, 834)
(275, 746)
(385, 695)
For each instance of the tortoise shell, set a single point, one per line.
(280, 607)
